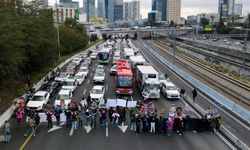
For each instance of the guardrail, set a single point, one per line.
(224, 101)
(9, 112)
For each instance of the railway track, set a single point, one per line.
(204, 69)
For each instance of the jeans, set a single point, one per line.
(6, 137)
(31, 129)
(152, 124)
(74, 125)
(133, 126)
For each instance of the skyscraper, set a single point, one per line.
(131, 10)
(89, 8)
(101, 8)
(238, 9)
(115, 10)
(173, 10)
(160, 6)
(226, 9)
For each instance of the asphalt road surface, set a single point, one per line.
(111, 138)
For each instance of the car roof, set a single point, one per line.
(40, 93)
(167, 83)
(63, 92)
(98, 87)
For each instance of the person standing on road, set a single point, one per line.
(74, 115)
(88, 117)
(152, 121)
(182, 92)
(6, 131)
(49, 119)
(57, 115)
(30, 127)
(19, 117)
(132, 120)
(195, 93)
(111, 111)
(37, 120)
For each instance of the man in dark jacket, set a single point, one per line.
(195, 93)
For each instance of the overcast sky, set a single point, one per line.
(190, 7)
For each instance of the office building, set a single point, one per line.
(173, 10)
(238, 9)
(101, 8)
(131, 11)
(89, 8)
(115, 10)
(160, 6)
(226, 10)
(153, 18)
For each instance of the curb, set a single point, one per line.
(10, 111)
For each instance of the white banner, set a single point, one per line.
(43, 117)
(131, 104)
(111, 103)
(121, 102)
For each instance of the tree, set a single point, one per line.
(212, 19)
(204, 21)
(171, 23)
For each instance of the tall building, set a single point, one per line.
(238, 9)
(89, 8)
(173, 10)
(101, 9)
(153, 18)
(68, 3)
(115, 10)
(226, 9)
(131, 10)
(160, 6)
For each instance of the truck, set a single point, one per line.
(148, 82)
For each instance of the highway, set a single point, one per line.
(231, 122)
(111, 138)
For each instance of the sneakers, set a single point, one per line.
(25, 135)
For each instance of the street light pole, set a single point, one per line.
(57, 30)
(244, 48)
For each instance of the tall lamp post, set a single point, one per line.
(57, 30)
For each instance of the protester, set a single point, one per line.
(132, 120)
(115, 119)
(179, 121)
(195, 93)
(182, 92)
(57, 114)
(74, 115)
(110, 112)
(6, 131)
(152, 117)
(49, 118)
(19, 117)
(37, 120)
(30, 127)
(88, 117)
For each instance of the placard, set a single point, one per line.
(131, 104)
(43, 117)
(111, 103)
(121, 102)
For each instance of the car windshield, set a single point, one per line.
(83, 70)
(103, 56)
(153, 86)
(68, 83)
(96, 91)
(63, 96)
(99, 74)
(124, 81)
(72, 65)
(37, 98)
(161, 77)
(171, 88)
(70, 70)
(100, 67)
(113, 67)
(99, 71)
(78, 76)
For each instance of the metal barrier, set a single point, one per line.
(224, 101)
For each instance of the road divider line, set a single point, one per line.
(84, 91)
(26, 141)
(71, 131)
(107, 130)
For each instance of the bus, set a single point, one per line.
(124, 78)
(104, 55)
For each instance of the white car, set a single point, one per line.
(88, 61)
(162, 79)
(63, 96)
(61, 77)
(170, 91)
(93, 55)
(113, 69)
(84, 65)
(69, 84)
(84, 71)
(97, 93)
(39, 99)
(100, 67)
(80, 78)
(77, 60)
(99, 77)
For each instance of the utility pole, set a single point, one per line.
(244, 48)
(57, 30)
(174, 36)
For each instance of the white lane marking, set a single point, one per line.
(71, 131)
(131, 98)
(107, 130)
(107, 86)
(88, 81)
(237, 120)
(84, 91)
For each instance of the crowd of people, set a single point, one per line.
(143, 118)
